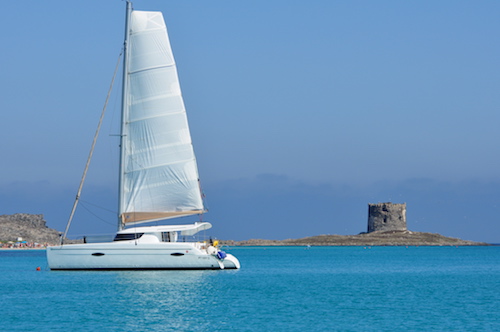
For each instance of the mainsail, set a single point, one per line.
(159, 176)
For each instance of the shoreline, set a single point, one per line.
(373, 239)
(314, 245)
(21, 249)
(391, 238)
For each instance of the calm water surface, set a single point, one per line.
(277, 289)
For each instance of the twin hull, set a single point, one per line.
(125, 255)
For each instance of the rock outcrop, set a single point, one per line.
(29, 227)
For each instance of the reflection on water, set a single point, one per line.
(166, 300)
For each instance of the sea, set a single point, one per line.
(276, 289)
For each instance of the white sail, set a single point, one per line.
(159, 172)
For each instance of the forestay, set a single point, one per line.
(159, 172)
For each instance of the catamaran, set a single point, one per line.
(158, 174)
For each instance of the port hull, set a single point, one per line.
(130, 255)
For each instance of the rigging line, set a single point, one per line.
(97, 206)
(75, 204)
(95, 215)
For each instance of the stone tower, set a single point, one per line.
(386, 217)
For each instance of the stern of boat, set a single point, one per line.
(231, 262)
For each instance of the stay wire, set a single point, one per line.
(95, 215)
(98, 206)
(96, 135)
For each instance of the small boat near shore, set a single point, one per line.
(158, 174)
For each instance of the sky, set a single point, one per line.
(301, 112)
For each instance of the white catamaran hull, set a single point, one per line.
(125, 255)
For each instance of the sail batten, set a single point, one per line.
(152, 68)
(159, 172)
(149, 117)
(159, 166)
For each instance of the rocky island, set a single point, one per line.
(386, 227)
(377, 238)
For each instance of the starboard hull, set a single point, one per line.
(132, 256)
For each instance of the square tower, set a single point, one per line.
(386, 217)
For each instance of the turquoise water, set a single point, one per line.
(277, 289)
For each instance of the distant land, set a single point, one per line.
(27, 227)
(378, 238)
(32, 228)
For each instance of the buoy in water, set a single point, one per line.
(38, 268)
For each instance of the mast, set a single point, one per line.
(124, 112)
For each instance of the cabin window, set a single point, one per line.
(127, 236)
(165, 236)
(169, 236)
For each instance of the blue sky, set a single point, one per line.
(301, 113)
